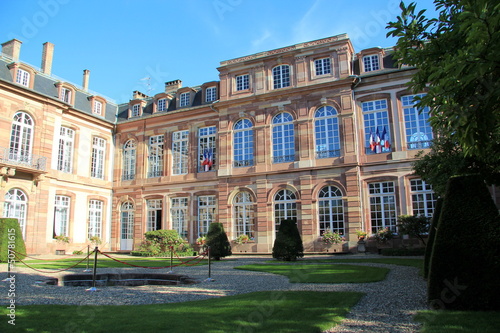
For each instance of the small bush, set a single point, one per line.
(414, 226)
(217, 241)
(77, 252)
(11, 237)
(288, 244)
(158, 243)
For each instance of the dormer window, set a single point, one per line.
(65, 95)
(162, 105)
(97, 108)
(323, 66)
(371, 63)
(184, 99)
(211, 94)
(136, 110)
(23, 77)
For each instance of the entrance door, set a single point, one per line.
(127, 227)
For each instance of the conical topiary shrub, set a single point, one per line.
(288, 244)
(11, 237)
(217, 241)
(465, 261)
(432, 235)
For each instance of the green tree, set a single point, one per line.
(11, 237)
(288, 244)
(414, 226)
(217, 241)
(456, 55)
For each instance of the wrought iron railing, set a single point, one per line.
(18, 158)
(327, 153)
(283, 158)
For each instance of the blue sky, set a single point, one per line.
(123, 42)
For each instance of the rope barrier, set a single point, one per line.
(57, 271)
(35, 258)
(148, 267)
(203, 255)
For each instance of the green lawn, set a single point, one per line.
(459, 321)
(322, 273)
(276, 311)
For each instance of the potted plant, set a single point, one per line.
(242, 239)
(63, 240)
(361, 234)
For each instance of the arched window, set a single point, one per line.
(283, 138)
(21, 138)
(244, 214)
(331, 210)
(16, 206)
(243, 143)
(285, 207)
(129, 160)
(326, 129)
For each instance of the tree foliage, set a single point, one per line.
(414, 226)
(288, 244)
(456, 55)
(217, 241)
(11, 238)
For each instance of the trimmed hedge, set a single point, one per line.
(432, 235)
(11, 237)
(465, 262)
(288, 244)
(217, 241)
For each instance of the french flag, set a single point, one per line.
(207, 159)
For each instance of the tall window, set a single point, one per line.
(207, 206)
(21, 138)
(61, 215)
(95, 218)
(331, 210)
(155, 157)
(162, 104)
(206, 148)
(242, 82)
(244, 214)
(423, 198)
(98, 108)
(211, 94)
(326, 128)
(418, 129)
(65, 95)
(23, 77)
(281, 76)
(382, 206)
(371, 63)
(136, 110)
(16, 206)
(283, 138)
(179, 213)
(127, 221)
(323, 66)
(376, 118)
(65, 153)
(129, 160)
(184, 99)
(154, 214)
(180, 152)
(243, 143)
(285, 207)
(98, 150)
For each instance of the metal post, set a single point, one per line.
(94, 274)
(88, 260)
(171, 259)
(209, 267)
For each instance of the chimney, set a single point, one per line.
(47, 56)
(12, 49)
(172, 86)
(86, 77)
(138, 95)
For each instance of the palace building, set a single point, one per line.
(312, 131)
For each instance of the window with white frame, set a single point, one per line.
(154, 214)
(331, 210)
(423, 198)
(244, 214)
(61, 215)
(382, 206)
(180, 152)
(326, 130)
(210, 94)
(184, 99)
(65, 152)
(16, 206)
(21, 138)
(323, 66)
(371, 63)
(242, 82)
(285, 207)
(161, 105)
(97, 108)
(127, 221)
(281, 76)
(179, 214)
(65, 95)
(136, 110)
(129, 159)
(98, 153)
(207, 206)
(377, 130)
(283, 138)
(207, 148)
(155, 158)
(23, 77)
(95, 218)
(418, 129)
(243, 143)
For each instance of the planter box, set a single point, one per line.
(60, 252)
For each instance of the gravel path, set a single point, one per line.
(388, 306)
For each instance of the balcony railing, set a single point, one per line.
(22, 159)
(419, 144)
(327, 153)
(283, 158)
